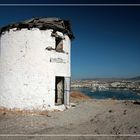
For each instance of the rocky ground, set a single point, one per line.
(89, 119)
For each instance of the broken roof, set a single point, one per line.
(42, 23)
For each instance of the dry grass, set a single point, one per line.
(74, 96)
(4, 111)
(78, 95)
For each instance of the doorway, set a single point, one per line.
(59, 90)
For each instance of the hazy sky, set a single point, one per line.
(107, 39)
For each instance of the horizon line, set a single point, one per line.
(128, 77)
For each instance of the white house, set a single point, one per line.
(35, 65)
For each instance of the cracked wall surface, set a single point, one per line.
(28, 69)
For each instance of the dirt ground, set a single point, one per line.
(89, 119)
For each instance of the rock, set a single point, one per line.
(73, 105)
(4, 113)
(124, 113)
(110, 111)
(136, 102)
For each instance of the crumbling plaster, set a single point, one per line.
(28, 70)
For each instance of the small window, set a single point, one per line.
(59, 44)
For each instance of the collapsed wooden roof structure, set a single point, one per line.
(42, 23)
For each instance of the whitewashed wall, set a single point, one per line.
(27, 77)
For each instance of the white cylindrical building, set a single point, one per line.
(35, 66)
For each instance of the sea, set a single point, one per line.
(109, 94)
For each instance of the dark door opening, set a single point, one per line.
(59, 90)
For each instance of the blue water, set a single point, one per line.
(114, 94)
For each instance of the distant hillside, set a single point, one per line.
(105, 79)
(135, 78)
(116, 79)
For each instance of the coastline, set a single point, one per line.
(102, 85)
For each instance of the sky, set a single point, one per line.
(107, 38)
